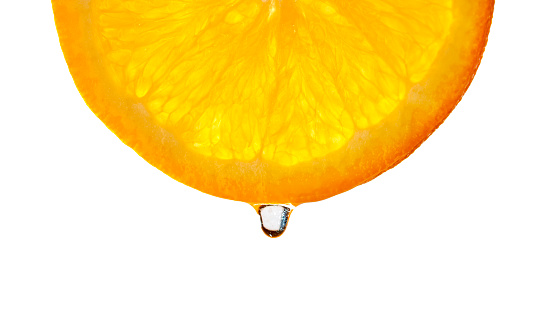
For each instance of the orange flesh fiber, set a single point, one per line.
(282, 127)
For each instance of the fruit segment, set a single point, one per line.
(273, 101)
(283, 81)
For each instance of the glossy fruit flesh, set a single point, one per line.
(273, 101)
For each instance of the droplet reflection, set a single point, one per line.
(274, 219)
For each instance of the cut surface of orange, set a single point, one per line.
(273, 101)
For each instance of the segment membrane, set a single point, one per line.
(286, 81)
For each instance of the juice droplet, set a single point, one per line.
(274, 219)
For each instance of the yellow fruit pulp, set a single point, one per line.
(286, 81)
(273, 101)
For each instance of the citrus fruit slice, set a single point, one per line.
(273, 101)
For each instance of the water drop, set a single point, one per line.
(274, 219)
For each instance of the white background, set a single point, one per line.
(461, 226)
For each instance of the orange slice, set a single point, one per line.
(273, 101)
